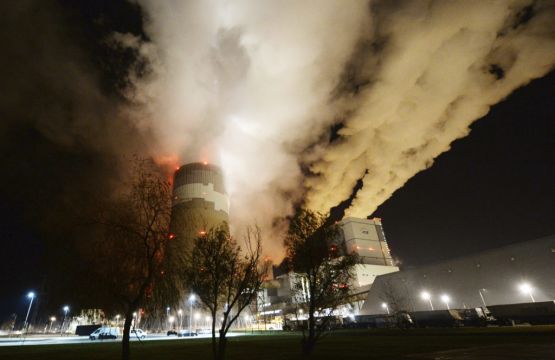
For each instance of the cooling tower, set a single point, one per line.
(199, 202)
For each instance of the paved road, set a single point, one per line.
(57, 340)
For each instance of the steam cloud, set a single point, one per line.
(256, 86)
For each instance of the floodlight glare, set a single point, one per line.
(527, 289)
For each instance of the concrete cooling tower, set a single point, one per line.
(199, 202)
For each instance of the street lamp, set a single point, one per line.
(117, 319)
(66, 309)
(191, 300)
(385, 307)
(482, 296)
(426, 296)
(168, 315)
(30, 295)
(197, 317)
(180, 312)
(52, 319)
(171, 320)
(446, 299)
(527, 289)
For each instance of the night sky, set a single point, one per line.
(494, 187)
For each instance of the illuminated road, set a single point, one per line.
(59, 340)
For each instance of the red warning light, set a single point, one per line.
(171, 236)
(202, 232)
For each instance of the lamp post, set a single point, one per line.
(527, 289)
(30, 295)
(66, 309)
(180, 312)
(446, 299)
(482, 296)
(191, 300)
(385, 307)
(426, 296)
(117, 319)
(171, 320)
(197, 316)
(168, 316)
(52, 319)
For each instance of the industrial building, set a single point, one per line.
(200, 202)
(367, 239)
(362, 236)
(516, 273)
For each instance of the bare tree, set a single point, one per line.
(322, 273)
(129, 259)
(225, 278)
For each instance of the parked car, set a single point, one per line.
(105, 333)
(172, 332)
(137, 333)
(181, 333)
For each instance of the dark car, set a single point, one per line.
(172, 332)
(181, 333)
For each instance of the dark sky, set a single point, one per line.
(494, 187)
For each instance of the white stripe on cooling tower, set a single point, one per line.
(187, 192)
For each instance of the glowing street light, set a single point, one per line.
(426, 296)
(527, 289)
(446, 299)
(385, 307)
(30, 295)
(482, 296)
(180, 313)
(66, 309)
(117, 319)
(171, 321)
(192, 299)
(197, 317)
(52, 319)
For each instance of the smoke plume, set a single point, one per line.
(256, 86)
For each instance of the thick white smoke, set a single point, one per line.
(255, 86)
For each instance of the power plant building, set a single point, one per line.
(199, 203)
(517, 273)
(366, 238)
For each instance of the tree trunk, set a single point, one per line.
(222, 342)
(310, 340)
(125, 349)
(214, 347)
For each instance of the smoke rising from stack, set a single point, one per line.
(256, 85)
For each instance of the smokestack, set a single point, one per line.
(200, 202)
